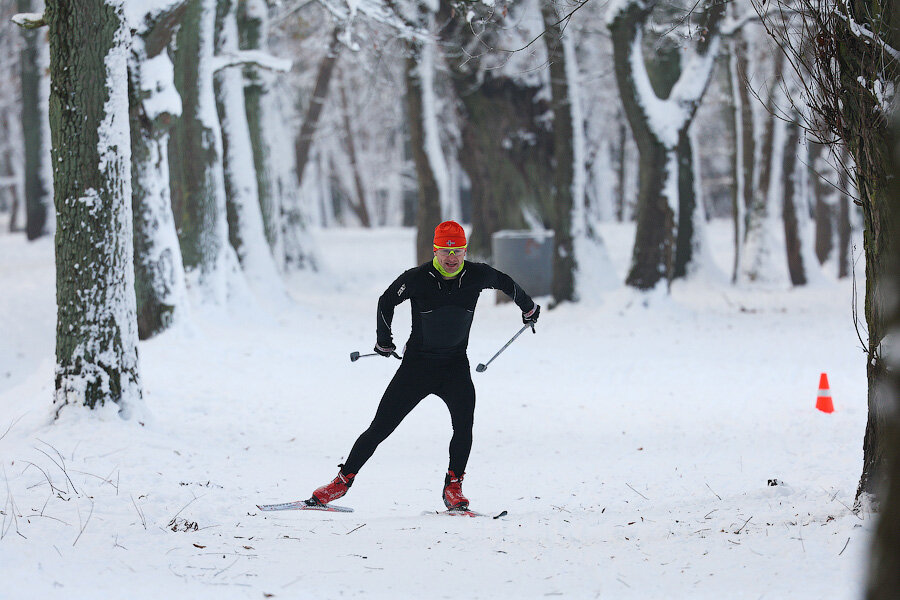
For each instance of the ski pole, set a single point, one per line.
(355, 356)
(481, 368)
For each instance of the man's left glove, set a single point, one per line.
(385, 350)
(531, 317)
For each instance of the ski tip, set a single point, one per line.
(502, 514)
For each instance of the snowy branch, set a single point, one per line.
(29, 20)
(263, 60)
(861, 31)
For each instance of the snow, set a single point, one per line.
(632, 440)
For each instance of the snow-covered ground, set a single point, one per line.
(631, 441)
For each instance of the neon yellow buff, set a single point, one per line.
(443, 272)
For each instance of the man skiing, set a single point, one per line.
(442, 295)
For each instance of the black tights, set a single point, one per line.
(416, 378)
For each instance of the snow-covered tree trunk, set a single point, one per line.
(763, 249)
(96, 338)
(252, 20)
(745, 144)
(659, 128)
(246, 230)
(38, 187)
(159, 272)
(883, 576)
(195, 153)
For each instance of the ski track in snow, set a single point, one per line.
(631, 445)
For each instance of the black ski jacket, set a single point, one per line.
(442, 309)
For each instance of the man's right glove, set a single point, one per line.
(386, 350)
(531, 317)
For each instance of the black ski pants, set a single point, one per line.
(417, 377)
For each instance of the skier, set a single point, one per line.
(442, 294)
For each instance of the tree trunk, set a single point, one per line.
(37, 192)
(96, 337)
(252, 22)
(793, 203)
(316, 103)
(843, 226)
(758, 252)
(823, 206)
(561, 198)
(861, 61)
(246, 230)
(195, 153)
(621, 170)
(159, 270)
(745, 146)
(428, 208)
(686, 237)
(663, 141)
(884, 577)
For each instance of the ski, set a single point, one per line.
(302, 505)
(455, 512)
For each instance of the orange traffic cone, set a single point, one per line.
(823, 401)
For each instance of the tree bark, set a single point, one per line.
(37, 195)
(96, 338)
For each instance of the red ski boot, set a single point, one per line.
(334, 490)
(453, 496)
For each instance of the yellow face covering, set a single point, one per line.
(443, 272)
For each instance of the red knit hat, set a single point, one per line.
(449, 234)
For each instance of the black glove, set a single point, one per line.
(385, 350)
(531, 317)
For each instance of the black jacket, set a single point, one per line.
(442, 309)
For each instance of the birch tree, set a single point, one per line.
(96, 337)
(665, 243)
